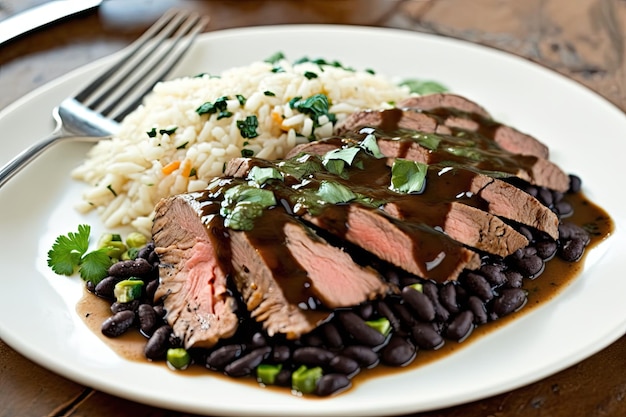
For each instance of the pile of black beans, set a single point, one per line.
(423, 315)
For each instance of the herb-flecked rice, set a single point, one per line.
(188, 128)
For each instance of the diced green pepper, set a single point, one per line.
(128, 290)
(417, 287)
(266, 373)
(112, 244)
(178, 358)
(305, 379)
(136, 240)
(382, 325)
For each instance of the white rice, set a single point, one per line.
(129, 174)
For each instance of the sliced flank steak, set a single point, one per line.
(193, 283)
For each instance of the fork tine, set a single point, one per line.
(148, 60)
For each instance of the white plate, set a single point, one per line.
(584, 132)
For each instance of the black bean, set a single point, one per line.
(130, 306)
(494, 274)
(514, 279)
(385, 311)
(448, 298)
(151, 288)
(461, 326)
(118, 324)
(572, 250)
(312, 356)
(430, 290)
(546, 249)
(569, 230)
(398, 352)
(402, 311)
(153, 258)
(564, 209)
(478, 308)
(146, 251)
(420, 303)
(160, 310)
(331, 384)
(222, 356)
(246, 364)
(525, 231)
(510, 300)
(574, 184)
(426, 337)
(332, 336)
(478, 285)
(359, 330)
(344, 365)
(281, 354)
(530, 266)
(364, 355)
(366, 311)
(148, 319)
(105, 287)
(130, 268)
(545, 196)
(158, 343)
(257, 340)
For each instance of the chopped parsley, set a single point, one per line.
(243, 203)
(241, 99)
(69, 254)
(408, 176)
(273, 59)
(310, 75)
(211, 108)
(269, 93)
(248, 127)
(315, 106)
(247, 153)
(424, 87)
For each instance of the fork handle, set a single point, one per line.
(25, 157)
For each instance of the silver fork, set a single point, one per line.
(94, 113)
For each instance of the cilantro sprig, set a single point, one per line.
(69, 254)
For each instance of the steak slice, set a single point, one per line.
(416, 248)
(193, 284)
(289, 277)
(466, 224)
(472, 116)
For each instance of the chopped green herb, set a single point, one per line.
(241, 99)
(408, 176)
(261, 175)
(278, 56)
(315, 106)
(335, 160)
(247, 153)
(277, 69)
(310, 75)
(152, 132)
(334, 193)
(169, 130)
(224, 115)
(301, 166)
(269, 93)
(243, 203)
(110, 188)
(211, 108)
(183, 145)
(371, 145)
(68, 254)
(248, 127)
(424, 87)
(428, 140)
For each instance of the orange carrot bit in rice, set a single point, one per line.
(185, 171)
(171, 167)
(278, 118)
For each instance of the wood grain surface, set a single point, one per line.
(581, 39)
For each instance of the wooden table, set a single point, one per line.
(582, 39)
